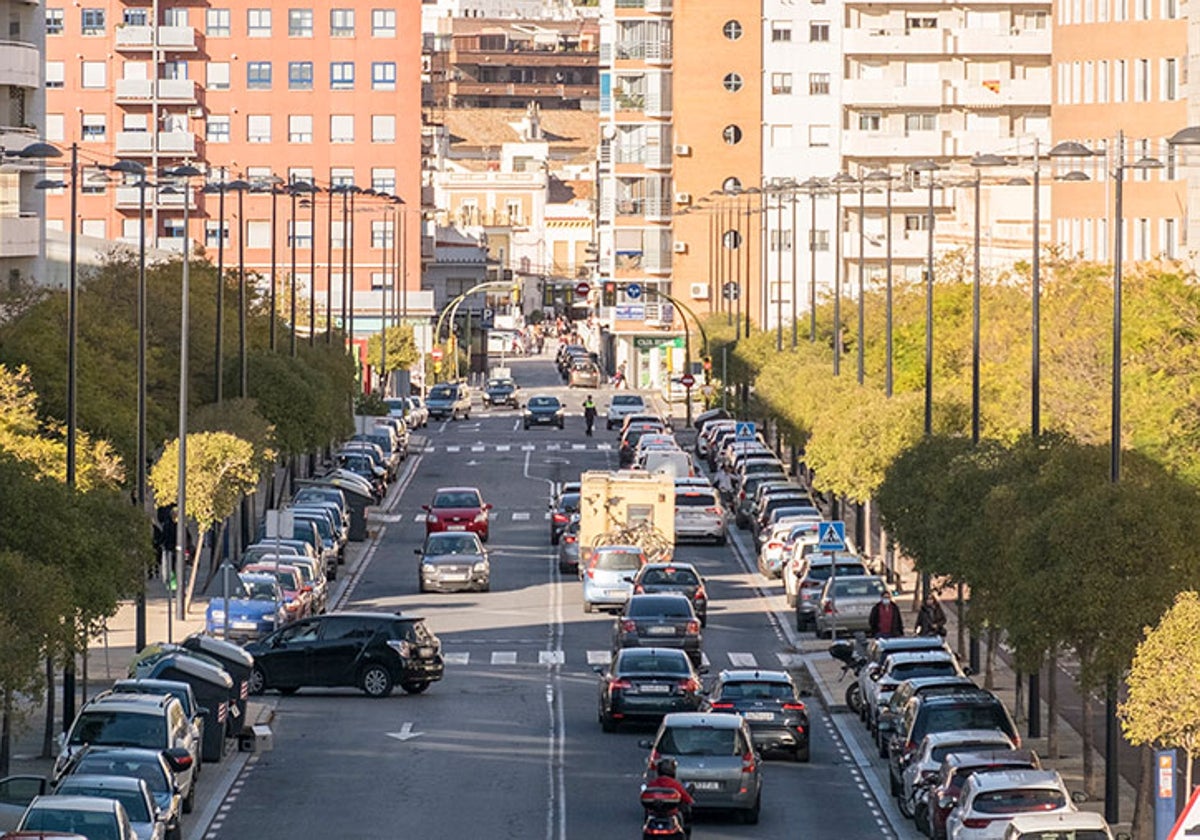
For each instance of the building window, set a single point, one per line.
(732, 82)
(341, 23)
(1141, 80)
(383, 75)
(920, 22)
(300, 234)
(92, 181)
(920, 122)
(96, 228)
(383, 128)
(781, 84)
(383, 23)
(341, 75)
(300, 128)
(258, 128)
(217, 129)
(818, 84)
(731, 134)
(258, 23)
(1168, 238)
(870, 121)
(54, 21)
(381, 233)
(916, 222)
(300, 75)
(258, 233)
(300, 23)
(92, 22)
(781, 239)
(732, 30)
(1120, 81)
(383, 180)
(341, 128)
(213, 233)
(818, 135)
(1170, 79)
(781, 136)
(56, 129)
(1170, 11)
(55, 74)
(258, 75)
(781, 33)
(217, 75)
(818, 31)
(217, 23)
(341, 177)
(94, 128)
(818, 240)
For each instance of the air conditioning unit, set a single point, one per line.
(683, 149)
(698, 291)
(683, 198)
(680, 247)
(196, 111)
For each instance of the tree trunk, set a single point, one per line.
(48, 729)
(989, 662)
(213, 565)
(1143, 803)
(1019, 697)
(6, 735)
(1187, 771)
(960, 609)
(84, 672)
(1089, 753)
(1052, 705)
(189, 590)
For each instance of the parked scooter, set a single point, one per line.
(852, 662)
(664, 818)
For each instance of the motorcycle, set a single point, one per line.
(852, 662)
(664, 815)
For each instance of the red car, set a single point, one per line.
(457, 509)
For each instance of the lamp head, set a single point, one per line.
(1069, 149)
(1189, 136)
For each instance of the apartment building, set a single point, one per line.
(327, 94)
(1119, 69)
(22, 109)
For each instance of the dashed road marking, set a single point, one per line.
(454, 449)
(599, 657)
(458, 658)
(743, 660)
(520, 516)
(504, 657)
(550, 657)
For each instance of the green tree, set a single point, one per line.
(1164, 696)
(402, 351)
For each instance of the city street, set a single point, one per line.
(509, 739)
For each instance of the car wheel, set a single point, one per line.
(723, 539)
(607, 724)
(375, 681)
(560, 425)
(415, 686)
(588, 607)
(189, 803)
(750, 817)
(175, 832)
(527, 427)
(467, 416)
(257, 683)
(421, 585)
(801, 753)
(486, 587)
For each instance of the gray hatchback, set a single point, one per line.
(845, 604)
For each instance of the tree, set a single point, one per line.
(402, 351)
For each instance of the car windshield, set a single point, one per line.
(851, 588)
(569, 502)
(618, 561)
(451, 544)
(260, 589)
(543, 402)
(94, 825)
(631, 663)
(119, 729)
(757, 690)
(952, 718)
(1019, 801)
(145, 768)
(627, 401)
(456, 499)
(670, 576)
(698, 740)
(132, 800)
(500, 384)
(441, 392)
(648, 606)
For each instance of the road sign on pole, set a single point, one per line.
(831, 536)
(488, 319)
(633, 291)
(687, 381)
(744, 432)
(436, 354)
(582, 289)
(731, 291)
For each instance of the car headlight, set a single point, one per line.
(217, 615)
(481, 566)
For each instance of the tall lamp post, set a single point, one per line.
(240, 186)
(812, 188)
(979, 162)
(219, 188)
(272, 184)
(885, 177)
(312, 264)
(839, 182)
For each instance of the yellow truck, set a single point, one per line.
(627, 507)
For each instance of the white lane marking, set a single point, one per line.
(503, 448)
(516, 425)
(556, 806)
(528, 447)
(599, 657)
(743, 660)
(504, 657)
(420, 517)
(790, 661)
(457, 658)
(550, 657)
(552, 447)
(604, 447)
(454, 449)
(579, 446)
(428, 448)
(546, 515)
(520, 516)
(478, 448)
(704, 660)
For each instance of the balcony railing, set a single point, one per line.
(141, 38)
(20, 64)
(169, 90)
(178, 143)
(20, 235)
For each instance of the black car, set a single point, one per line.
(645, 684)
(658, 621)
(371, 651)
(502, 392)
(563, 506)
(770, 704)
(543, 410)
(678, 578)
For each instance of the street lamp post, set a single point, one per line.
(978, 162)
(885, 177)
(795, 199)
(862, 267)
(839, 182)
(812, 187)
(779, 192)
(312, 265)
(240, 186)
(219, 188)
(292, 231)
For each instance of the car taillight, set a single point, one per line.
(690, 684)
(621, 683)
(748, 764)
(774, 546)
(793, 707)
(724, 706)
(591, 573)
(1017, 740)
(741, 495)
(693, 626)
(700, 595)
(560, 517)
(628, 626)
(714, 511)
(571, 539)
(828, 608)
(976, 822)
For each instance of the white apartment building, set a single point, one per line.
(22, 122)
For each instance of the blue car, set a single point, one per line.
(255, 609)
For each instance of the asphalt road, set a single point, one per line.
(508, 744)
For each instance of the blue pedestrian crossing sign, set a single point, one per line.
(744, 431)
(633, 291)
(831, 536)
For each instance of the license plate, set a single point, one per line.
(759, 716)
(706, 785)
(655, 689)
(456, 527)
(454, 578)
(425, 651)
(615, 593)
(661, 631)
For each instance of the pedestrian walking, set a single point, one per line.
(931, 619)
(885, 620)
(723, 481)
(589, 414)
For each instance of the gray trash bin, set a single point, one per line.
(233, 659)
(213, 688)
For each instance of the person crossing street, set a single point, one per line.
(589, 414)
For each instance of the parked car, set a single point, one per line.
(543, 410)
(568, 548)
(608, 579)
(133, 794)
(255, 608)
(715, 754)
(845, 604)
(770, 703)
(897, 668)
(453, 561)
(457, 509)
(158, 769)
(564, 504)
(922, 769)
(645, 684)
(661, 620)
(673, 390)
(297, 600)
(990, 800)
(1061, 825)
(621, 406)
(952, 775)
(182, 691)
(775, 548)
(890, 712)
(699, 515)
(418, 413)
(374, 652)
(805, 575)
(95, 819)
(502, 392)
(676, 578)
(449, 400)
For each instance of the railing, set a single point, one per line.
(20, 63)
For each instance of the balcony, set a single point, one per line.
(20, 64)
(20, 236)
(657, 209)
(134, 143)
(1001, 41)
(896, 42)
(651, 52)
(1002, 93)
(658, 96)
(138, 91)
(879, 144)
(170, 38)
(128, 198)
(656, 261)
(173, 143)
(881, 93)
(522, 89)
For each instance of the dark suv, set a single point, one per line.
(372, 651)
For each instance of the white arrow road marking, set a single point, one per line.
(405, 733)
(472, 463)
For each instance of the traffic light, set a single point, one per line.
(610, 293)
(708, 364)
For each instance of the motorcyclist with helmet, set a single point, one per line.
(665, 769)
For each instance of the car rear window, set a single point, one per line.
(441, 392)
(543, 402)
(868, 588)
(757, 690)
(938, 753)
(821, 573)
(698, 740)
(632, 662)
(1019, 801)
(120, 729)
(618, 561)
(132, 800)
(648, 605)
(957, 716)
(569, 502)
(95, 825)
(695, 499)
(461, 499)
(627, 400)
(674, 576)
(914, 670)
(146, 768)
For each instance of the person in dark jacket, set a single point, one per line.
(931, 619)
(885, 620)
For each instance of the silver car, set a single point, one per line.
(622, 406)
(699, 514)
(715, 754)
(608, 579)
(453, 561)
(133, 793)
(568, 548)
(845, 604)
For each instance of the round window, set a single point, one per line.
(732, 30)
(731, 185)
(731, 134)
(733, 82)
(732, 239)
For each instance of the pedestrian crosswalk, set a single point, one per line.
(783, 659)
(454, 448)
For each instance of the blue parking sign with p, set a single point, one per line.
(831, 536)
